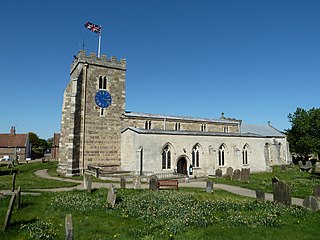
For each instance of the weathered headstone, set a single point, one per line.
(9, 212)
(282, 193)
(311, 203)
(274, 180)
(283, 167)
(229, 172)
(300, 163)
(245, 174)
(209, 187)
(153, 182)
(237, 174)
(13, 182)
(123, 182)
(218, 173)
(136, 182)
(316, 191)
(69, 227)
(111, 199)
(260, 195)
(18, 193)
(87, 182)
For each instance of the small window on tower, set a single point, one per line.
(103, 83)
(101, 111)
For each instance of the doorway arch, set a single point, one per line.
(182, 166)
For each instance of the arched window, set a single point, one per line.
(102, 82)
(148, 125)
(267, 153)
(245, 154)
(166, 158)
(221, 155)
(203, 128)
(196, 156)
(177, 127)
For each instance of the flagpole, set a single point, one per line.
(99, 43)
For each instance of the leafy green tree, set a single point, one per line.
(304, 135)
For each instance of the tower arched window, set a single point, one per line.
(245, 154)
(196, 156)
(102, 82)
(166, 158)
(221, 155)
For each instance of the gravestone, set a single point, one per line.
(153, 182)
(9, 212)
(18, 193)
(209, 187)
(123, 182)
(136, 182)
(229, 172)
(218, 173)
(237, 174)
(87, 182)
(111, 199)
(300, 163)
(283, 167)
(13, 182)
(260, 195)
(282, 193)
(69, 227)
(311, 203)
(274, 180)
(316, 191)
(245, 174)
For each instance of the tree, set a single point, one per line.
(304, 135)
(38, 144)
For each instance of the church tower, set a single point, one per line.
(92, 114)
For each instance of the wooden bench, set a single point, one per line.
(168, 184)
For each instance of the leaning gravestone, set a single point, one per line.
(13, 182)
(18, 193)
(153, 182)
(123, 182)
(136, 182)
(209, 187)
(69, 227)
(218, 173)
(9, 212)
(282, 193)
(237, 174)
(311, 203)
(260, 195)
(245, 174)
(316, 191)
(229, 172)
(111, 199)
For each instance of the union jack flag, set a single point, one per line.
(93, 27)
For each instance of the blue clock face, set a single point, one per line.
(103, 99)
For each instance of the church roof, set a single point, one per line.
(162, 116)
(262, 130)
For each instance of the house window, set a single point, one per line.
(166, 158)
(102, 82)
(196, 156)
(221, 154)
(245, 155)
(177, 127)
(147, 125)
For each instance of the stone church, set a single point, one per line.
(96, 130)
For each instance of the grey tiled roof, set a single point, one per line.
(162, 116)
(262, 130)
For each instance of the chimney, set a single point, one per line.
(13, 130)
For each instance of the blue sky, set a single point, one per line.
(253, 60)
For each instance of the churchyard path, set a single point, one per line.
(192, 183)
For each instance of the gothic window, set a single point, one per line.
(196, 156)
(147, 125)
(101, 112)
(203, 128)
(226, 129)
(102, 82)
(177, 127)
(166, 158)
(245, 154)
(221, 154)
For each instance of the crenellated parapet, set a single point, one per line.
(93, 59)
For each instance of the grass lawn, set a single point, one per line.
(301, 183)
(144, 214)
